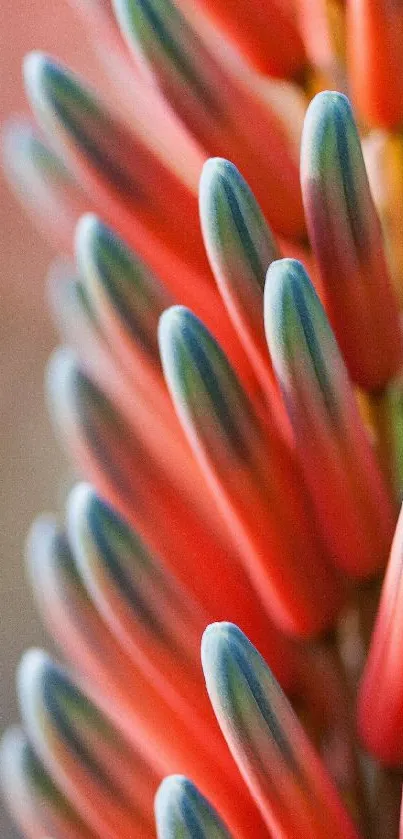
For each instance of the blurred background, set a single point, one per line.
(31, 466)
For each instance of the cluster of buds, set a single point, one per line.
(225, 588)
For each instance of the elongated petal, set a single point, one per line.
(112, 679)
(374, 37)
(182, 812)
(282, 770)
(141, 399)
(209, 101)
(130, 187)
(253, 477)
(124, 178)
(95, 767)
(347, 242)
(116, 455)
(126, 300)
(352, 503)
(240, 248)
(37, 806)
(66, 608)
(138, 420)
(380, 706)
(139, 394)
(156, 619)
(143, 404)
(76, 323)
(114, 275)
(50, 193)
(118, 687)
(143, 105)
(119, 462)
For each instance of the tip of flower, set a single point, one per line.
(284, 271)
(286, 280)
(200, 379)
(62, 358)
(37, 70)
(88, 228)
(92, 238)
(238, 242)
(171, 792)
(216, 641)
(327, 109)
(175, 314)
(100, 253)
(62, 367)
(220, 630)
(214, 168)
(171, 324)
(53, 91)
(32, 671)
(297, 328)
(27, 160)
(241, 687)
(45, 544)
(79, 502)
(229, 661)
(181, 811)
(34, 63)
(218, 174)
(217, 177)
(119, 288)
(41, 529)
(91, 522)
(175, 330)
(330, 100)
(66, 386)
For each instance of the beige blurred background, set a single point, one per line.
(31, 470)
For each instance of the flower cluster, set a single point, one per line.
(230, 389)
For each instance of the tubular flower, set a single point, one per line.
(229, 388)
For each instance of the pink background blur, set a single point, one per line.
(31, 471)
